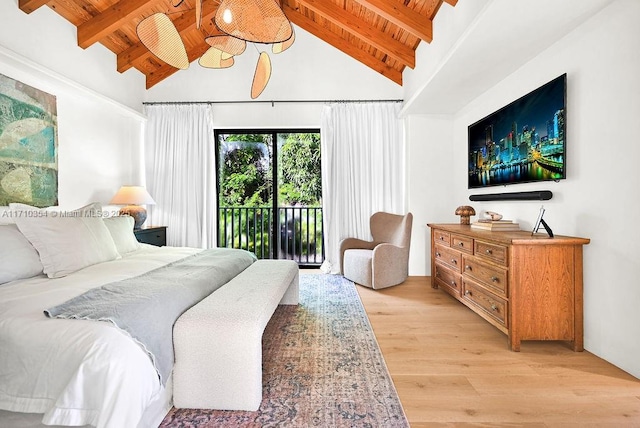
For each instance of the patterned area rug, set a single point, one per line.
(322, 367)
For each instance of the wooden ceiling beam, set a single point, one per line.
(28, 6)
(187, 22)
(131, 56)
(402, 16)
(166, 70)
(341, 44)
(111, 19)
(362, 30)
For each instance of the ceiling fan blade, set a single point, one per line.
(158, 33)
(215, 58)
(277, 48)
(261, 76)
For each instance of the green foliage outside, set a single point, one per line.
(301, 180)
(245, 171)
(245, 179)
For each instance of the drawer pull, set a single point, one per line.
(494, 308)
(467, 293)
(437, 254)
(453, 284)
(442, 238)
(461, 244)
(454, 261)
(467, 267)
(494, 279)
(488, 251)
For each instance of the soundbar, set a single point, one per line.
(541, 195)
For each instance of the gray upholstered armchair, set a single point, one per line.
(384, 261)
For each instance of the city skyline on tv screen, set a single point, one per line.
(522, 142)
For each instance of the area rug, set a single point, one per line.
(322, 367)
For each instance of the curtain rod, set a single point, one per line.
(272, 102)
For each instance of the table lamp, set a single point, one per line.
(133, 197)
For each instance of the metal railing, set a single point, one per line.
(294, 233)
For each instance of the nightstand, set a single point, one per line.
(154, 235)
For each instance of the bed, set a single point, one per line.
(74, 372)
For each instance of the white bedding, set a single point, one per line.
(78, 372)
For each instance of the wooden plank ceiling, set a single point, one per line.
(382, 34)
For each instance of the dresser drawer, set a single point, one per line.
(449, 257)
(494, 252)
(441, 237)
(492, 277)
(448, 280)
(487, 302)
(462, 243)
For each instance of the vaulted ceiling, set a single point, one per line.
(382, 34)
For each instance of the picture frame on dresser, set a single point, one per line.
(540, 222)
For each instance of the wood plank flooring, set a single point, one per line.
(451, 368)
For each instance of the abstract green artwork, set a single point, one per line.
(28, 145)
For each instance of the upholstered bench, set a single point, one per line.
(218, 342)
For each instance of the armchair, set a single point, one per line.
(384, 261)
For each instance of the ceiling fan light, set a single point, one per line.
(215, 58)
(158, 33)
(261, 75)
(258, 21)
(227, 44)
(227, 16)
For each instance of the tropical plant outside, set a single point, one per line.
(246, 194)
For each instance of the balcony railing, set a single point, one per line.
(295, 234)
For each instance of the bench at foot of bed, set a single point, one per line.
(218, 342)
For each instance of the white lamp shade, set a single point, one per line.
(132, 195)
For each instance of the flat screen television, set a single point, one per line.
(522, 142)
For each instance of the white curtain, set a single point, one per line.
(363, 170)
(180, 173)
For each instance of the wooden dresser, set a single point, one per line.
(529, 287)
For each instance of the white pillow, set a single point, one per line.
(18, 258)
(67, 241)
(5, 216)
(121, 229)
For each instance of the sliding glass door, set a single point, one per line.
(269, 193)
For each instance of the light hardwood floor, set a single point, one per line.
(451, 368)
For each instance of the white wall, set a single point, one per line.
(99, 134)
(478, 43)
(309, 70)
(429, 164)
(449, 27)
(595, 201)
(49, 40)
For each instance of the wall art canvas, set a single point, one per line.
(28, 145)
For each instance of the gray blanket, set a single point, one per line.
(147, 306)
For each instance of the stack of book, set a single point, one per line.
(496, 225)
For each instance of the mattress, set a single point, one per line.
(78, 372)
